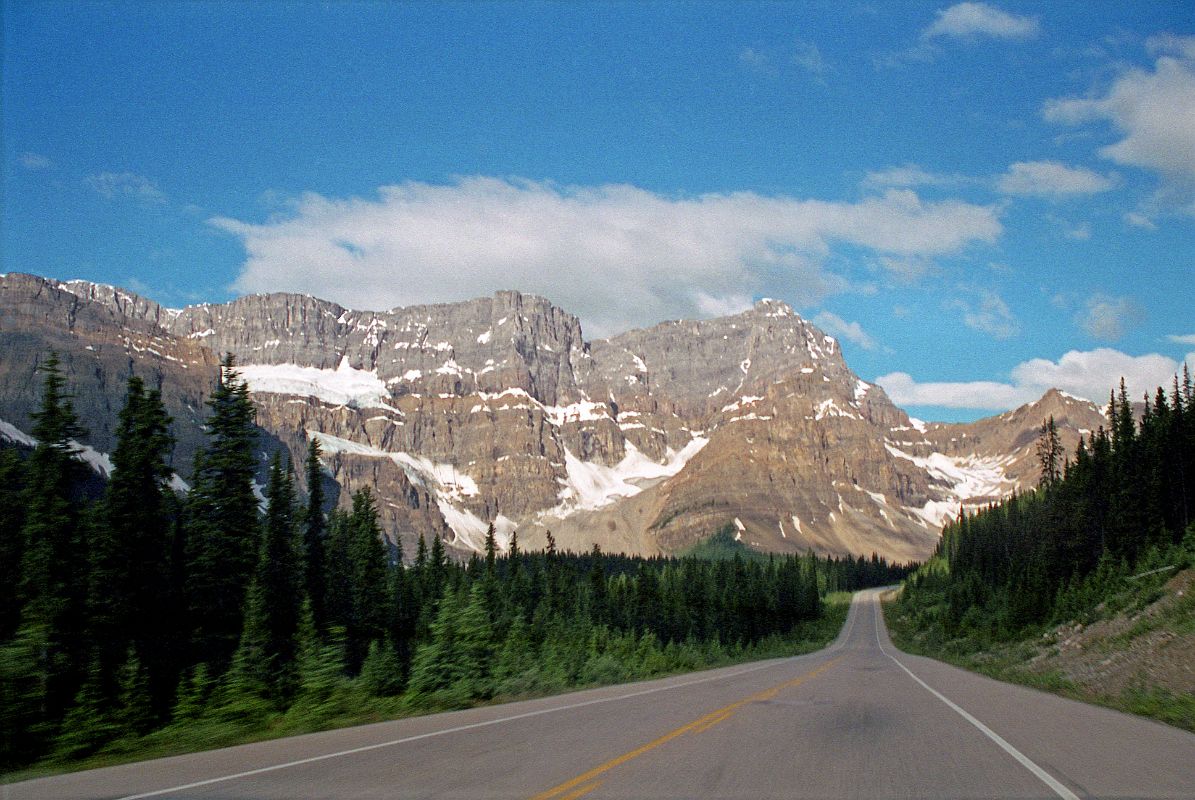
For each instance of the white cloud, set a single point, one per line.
(1140, 220)
(616, 255)
(1051, 179)
(911, 175)
(35, 161)
(973, 20)
(1188, 338)
(1170, 43)
(990, 315)
(126, 184)
(1108, 318)
(753, 58)
(851, 331)
(1154, 110)
(1080, 232)
(809, 58)
(1091, 374)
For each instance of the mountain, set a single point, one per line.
(497, 409)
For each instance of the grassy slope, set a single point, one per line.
(1134, 653)
(350, 705)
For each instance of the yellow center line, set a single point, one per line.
(698, 725)
(725, 715)
(584, 790)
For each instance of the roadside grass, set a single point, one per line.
(349, 705)
(1006, 661)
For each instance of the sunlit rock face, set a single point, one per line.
(497, 410)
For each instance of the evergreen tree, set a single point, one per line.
(54, 560)
(314, 566)
(12, 540)
(222, 535)
(1049, 453)
(367, 587)
(130, 550)
(278, 583)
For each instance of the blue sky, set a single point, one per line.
(980, 200)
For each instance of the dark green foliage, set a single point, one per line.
(23, 729)
(132, 602)
(222, 535)
(367, 606)
(1121, 505)
(314, 531)
(101, 660)
(54, 559)
(273, 614)
(12, 540)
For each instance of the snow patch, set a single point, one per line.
(14, 434)
(742, 402)
(485, 337)
(589, 485)
(344, 385)
(447, 484)
(828, 408)
(582, 411)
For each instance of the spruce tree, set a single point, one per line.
(130, 549)
(367, 587)
(278, 582)
(1049, 453)
(314, 529)
(222, 535)
(54, 561)
(12, 540)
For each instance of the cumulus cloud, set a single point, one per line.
(1155, 112)
(1186, 338)
(1089, 374)
(126, 184)
(975, 20)
(1051, 179)
(35, 161)
(851, 331)
(990, 314)
(616, 255)
(1109, 318)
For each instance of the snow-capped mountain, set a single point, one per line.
(497, 409)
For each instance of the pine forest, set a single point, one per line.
(136, 616)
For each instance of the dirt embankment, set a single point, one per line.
(1153, 647)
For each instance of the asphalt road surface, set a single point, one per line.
(858, 720)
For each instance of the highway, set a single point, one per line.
(858, 719)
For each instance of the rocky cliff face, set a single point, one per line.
(496, 409)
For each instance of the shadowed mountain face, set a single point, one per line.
(497, 409)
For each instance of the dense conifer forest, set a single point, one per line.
(1120, 509)
(134, 614)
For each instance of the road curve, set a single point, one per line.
(856, 720)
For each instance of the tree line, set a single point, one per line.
(1124, 502)
(141, 608)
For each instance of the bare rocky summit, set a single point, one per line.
(497, 409)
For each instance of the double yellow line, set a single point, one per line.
(584, 784)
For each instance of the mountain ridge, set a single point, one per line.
(497, 409)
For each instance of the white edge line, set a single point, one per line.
(458, 729)
(1042, 775)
